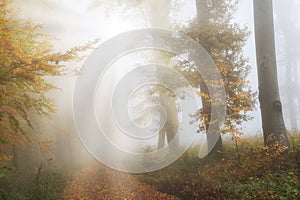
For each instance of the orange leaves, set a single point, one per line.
(204, 95)
(224, 42)
(26, 59)
(274, 148)
(103, 183)
(237, 139)
(5, 158)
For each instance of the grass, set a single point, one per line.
(50, 186)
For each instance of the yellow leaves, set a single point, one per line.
(224, 43)
(237, 139)
(26, 58)
(274, 148)
(5, 158)
(204, 95)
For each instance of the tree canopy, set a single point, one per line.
(224, 41)
(27, 60)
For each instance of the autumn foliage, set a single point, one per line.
(27, 60)
(224, 40)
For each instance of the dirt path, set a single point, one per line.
(99, 182)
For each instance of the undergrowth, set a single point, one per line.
(249, 172)
(49, 186)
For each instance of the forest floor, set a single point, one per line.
(249, 172)
(99, 182)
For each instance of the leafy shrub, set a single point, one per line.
(282, 185)
(49, 187)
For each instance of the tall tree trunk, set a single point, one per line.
(213, 147)
(202, 12)
(161, 19)
(271, 109)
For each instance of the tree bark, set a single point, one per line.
(171, 125)
(161, 19)
(213, 147)
(202, 13)
(271, 109)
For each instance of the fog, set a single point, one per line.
(77, 22)
(286, 19)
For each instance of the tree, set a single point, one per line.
(148, 9)
(26, 64)
(169, 130)
(271, 109)
(203, 21)
(224, 41)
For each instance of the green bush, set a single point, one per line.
(282, 185)
(50, 186)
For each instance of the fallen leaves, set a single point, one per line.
(99, 182)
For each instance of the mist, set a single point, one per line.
(168, 93)
(77, 23)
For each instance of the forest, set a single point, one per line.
(145, 99)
